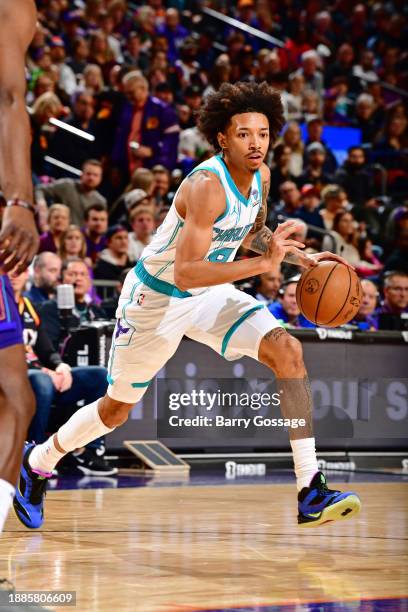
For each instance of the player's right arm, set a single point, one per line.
(18, 235)
(201, 202)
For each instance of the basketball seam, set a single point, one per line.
(321, 294)
(345, 301)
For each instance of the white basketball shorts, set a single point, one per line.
(152, 321)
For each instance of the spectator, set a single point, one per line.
(174, 32)
(134, 55)
(114, 259)
(66, 77)
(398, 259)
(364, 71)
(148, 130)
(366, 318)
(290, 199)
(310, 70)
(142, 223)
(281, 170)
(119, 213)
(292, 137)
(266, 286)
(74, 272)
(67, 147)
(57, 385)
(46, 274)
(73, 244)
(161, 184)
(314, 172)
(93, 79)
(309, 212)
(80, 54)
(371, 265)
(395, 301)
(100, 53)
(285, 309)
(342, 66)
(365, 119)
(293, 99)
(45, 107)
(94, 230)
(391, 152)
(355, 178)
(315, 134)
(58, 221)
(77, 194)
(345, 238)
(332, 204)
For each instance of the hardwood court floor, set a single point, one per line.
(188, 548)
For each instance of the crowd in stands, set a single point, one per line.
(131, 77)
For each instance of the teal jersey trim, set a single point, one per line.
(259, 180)
(141, 385)
(215, 171)
(110, 379)
(172, 237)
(235, 326)
(232, 185)
(158, 285)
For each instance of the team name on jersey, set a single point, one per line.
(232, 234)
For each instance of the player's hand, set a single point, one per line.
(280, 245)
(328, 256)
(18, 239)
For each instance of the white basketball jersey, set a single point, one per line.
(156, 266)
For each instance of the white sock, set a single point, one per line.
(305, 460)
(83, 427)
(6, 499)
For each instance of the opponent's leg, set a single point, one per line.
(17, 407)
(317, 504)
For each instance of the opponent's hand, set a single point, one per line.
(18, 239)
(328, 256)
(280, 245)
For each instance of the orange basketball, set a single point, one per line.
(329, 294)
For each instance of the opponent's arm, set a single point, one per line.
(18, 236)
(203, 200)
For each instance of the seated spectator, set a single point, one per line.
(313, 172)
(73, 244)
(366, 318)
(129, 201)
(390, 152)
(332, 203)
(292, 138)
(57, 385)
(370, 264)
(315, 134)
(395, 294)
(142, 223)
(345, 238)
(161, 184)
(46, 274)
(46, 106)
(292, 100)
(355, 178)
(74, 272)
(266, 286)
(309, 211)
(142, 179)
(365, 118)
(398, 259)
(94, 230)
(310, 70)
(285, 309)
(290, 199)
(114, 259)
(77, 194)
(58, 222)
(281, 170)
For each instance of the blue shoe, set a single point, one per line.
(317, 504)
(29, 499)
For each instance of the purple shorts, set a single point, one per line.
(10, 322)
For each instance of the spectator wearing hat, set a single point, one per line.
(114, 259)
(355, 178)
(142, 223)
(285, 308)
(94, 230)
(314, 172)
(148, 129)
(315, 134)
(66, 77)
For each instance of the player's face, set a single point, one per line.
(246, 140)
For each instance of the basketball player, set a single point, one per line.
(182, 286)
(18, 239)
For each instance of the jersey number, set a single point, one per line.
(220, 255)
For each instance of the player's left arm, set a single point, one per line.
(260, 235)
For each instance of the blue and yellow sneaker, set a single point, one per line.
(29, 499)
(318, 505)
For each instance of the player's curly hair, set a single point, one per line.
(220, 106)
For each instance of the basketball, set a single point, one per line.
(329, 294)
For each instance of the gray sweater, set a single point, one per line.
(68, 191)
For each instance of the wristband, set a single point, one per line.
(21, 204)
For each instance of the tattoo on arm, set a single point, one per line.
(259, 243)
(261, 234)
(275, 334)
(199, 176)
(261, 216)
